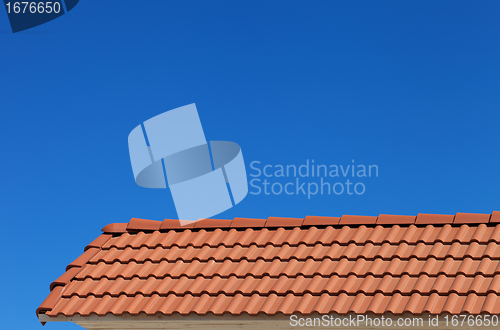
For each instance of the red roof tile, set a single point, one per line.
(115, 228)
(284, 222)
(248, 223)
(143, 225)
(389, 219)
(471, 218)
(398, 264)
(357, 219)
(431, 219)
(495, 217)
(212, 223)
(320, 221)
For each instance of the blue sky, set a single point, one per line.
(411, 86)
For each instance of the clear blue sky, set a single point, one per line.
(411, 86)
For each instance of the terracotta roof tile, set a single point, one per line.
(212, 223)
(99, 241)
(431, 219)
(270, 305)
(495, 217)
(389, 219)
(65, 278)
(143, 224)
(284, 222)
(357, 220)
(461, 218)
(115, 228)
(176, 224)
(49, 303)
(398, 264)
(321, 221)
(247, 223)
(84, 258)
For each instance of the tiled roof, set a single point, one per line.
(428, 263)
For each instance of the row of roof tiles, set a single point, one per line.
(352, 251)
(283, 285)
(273, 304)
(310, 236)
(272, 222)
(291, 268)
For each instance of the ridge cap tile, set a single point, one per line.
(495, 217)
(283, 222)
(248, 223)
(168, 224)
(391, 219)
(471, 218)
(143, 225)
(213, 223)
(320, 221)
(357, 220)
(138, 224)
(434, 219)
(115, 228)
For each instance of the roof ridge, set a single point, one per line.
(422, 219)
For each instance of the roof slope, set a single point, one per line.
(428, 263)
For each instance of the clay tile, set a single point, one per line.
(115, 228)
(432, 219)
(143, 224)
(212, 223)
(248, 223)
(320, 221)
(99, 241)
(284, 222)
(51, 300)
(471, 218)
(65, 278)
(495, 217)
(389, 219)
(357, 220)
(84, 258)
(176, 224)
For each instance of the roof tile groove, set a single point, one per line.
(428, 263)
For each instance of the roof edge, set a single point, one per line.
(422, 219)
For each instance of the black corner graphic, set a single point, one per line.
(24, 15)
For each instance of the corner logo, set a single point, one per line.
(24, 15)
(205, 178)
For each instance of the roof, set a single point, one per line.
(397, 264)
